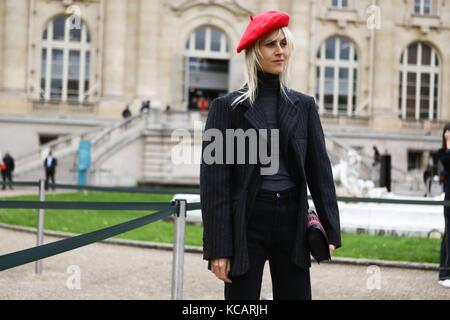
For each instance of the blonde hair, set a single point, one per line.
(252, 61)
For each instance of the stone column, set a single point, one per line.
(14, 56)
(15, 30)
(300, 62)
(113, 99)
(2, 14)
(444, 78)
(132, 51)
(149, 49)
(386, 64)
(114, 48)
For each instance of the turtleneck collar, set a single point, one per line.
(268, 82)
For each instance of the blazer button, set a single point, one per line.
(278, 195)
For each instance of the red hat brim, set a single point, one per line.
(261, 25)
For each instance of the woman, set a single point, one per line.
(444, 157)
(250, 216)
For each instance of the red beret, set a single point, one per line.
(261, 25)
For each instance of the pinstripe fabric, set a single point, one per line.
(227, 192)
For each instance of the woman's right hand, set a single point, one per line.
(221, 268)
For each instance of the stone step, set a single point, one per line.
(177, 181)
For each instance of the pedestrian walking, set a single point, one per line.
(50, 164)
(7, 171)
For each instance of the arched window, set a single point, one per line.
(208, 39)
(65, 61)
(207, 58)
(336, 76)
(419, 82)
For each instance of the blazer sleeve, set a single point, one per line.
(444, 156)
(215, 187)
(319, 177)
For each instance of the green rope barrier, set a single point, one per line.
(194, 206)
(19, 258)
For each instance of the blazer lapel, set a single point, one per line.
(286, 111)
(288, 117)
(255, 115)
(289, 113)
(257, 119)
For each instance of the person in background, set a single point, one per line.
(194, 103)
(376, 156)
(202, 104)
(127, 112)
(145, 108)
(444, 157)
(50, 164)
(428, 179)
(3, 171)
(7, 173)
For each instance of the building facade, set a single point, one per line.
(379, 69)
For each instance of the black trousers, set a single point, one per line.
(49, 175)
(270, 236)
(444, 266)
(7, 176)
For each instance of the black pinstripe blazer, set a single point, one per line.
(227, 191)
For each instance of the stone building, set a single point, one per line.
(379, 69)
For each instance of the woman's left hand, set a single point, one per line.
(332, 248)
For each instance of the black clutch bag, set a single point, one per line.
(317, 237)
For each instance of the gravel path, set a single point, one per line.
(118, 272)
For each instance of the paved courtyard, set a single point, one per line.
(119, 272)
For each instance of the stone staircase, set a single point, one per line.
(30, 167)
(161, 152)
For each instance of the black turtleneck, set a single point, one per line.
(267, 98)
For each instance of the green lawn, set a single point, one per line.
(354, 246)
(389, 248)
(83, 221)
